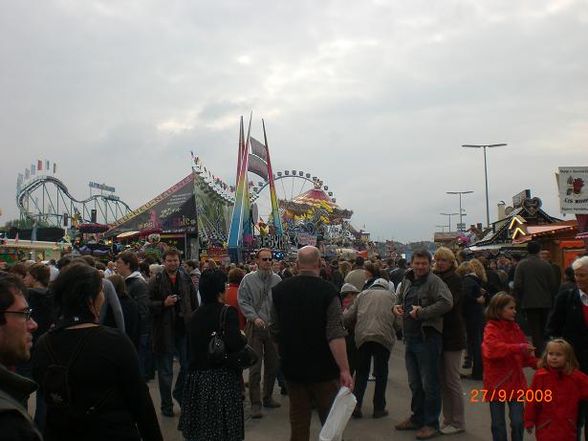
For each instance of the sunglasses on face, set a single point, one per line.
(266, 259)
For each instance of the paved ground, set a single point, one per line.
(274, 426)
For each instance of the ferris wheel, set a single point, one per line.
(289, 184)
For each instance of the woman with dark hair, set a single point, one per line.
(474, 301)
(569, 281)
(372, 274)
(130, 311)
(88, 373)
(213, 406)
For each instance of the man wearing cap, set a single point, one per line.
(16, 339)
(374, 337)
(348, 294)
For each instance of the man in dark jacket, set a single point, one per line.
(535, 289)
(16, 339)
(569, 320)
(546, 256)
(127, 265)
(422, 302)
(312, 350)
(397, 274)
(173, 299)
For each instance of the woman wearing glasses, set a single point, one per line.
(89, 374)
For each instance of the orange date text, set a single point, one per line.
(519, 395)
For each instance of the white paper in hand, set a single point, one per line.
(339, 415)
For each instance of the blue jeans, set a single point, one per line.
(165, 373)
(422, 358)
(497, 414)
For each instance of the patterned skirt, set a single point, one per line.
(212, 407)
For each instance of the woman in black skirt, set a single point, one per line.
(212, 405)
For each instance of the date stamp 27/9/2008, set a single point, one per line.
(519, 395)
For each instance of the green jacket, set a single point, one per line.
(433, 296)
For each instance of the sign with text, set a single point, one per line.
(572, 183)
(173, 211)
(273, 242)
(305, 239)
(102, 187)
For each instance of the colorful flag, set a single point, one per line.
(47, 164)
(33, 169)
(39, 165)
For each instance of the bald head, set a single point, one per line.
(309, 259)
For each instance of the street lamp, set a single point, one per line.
(449, 216)
(485, 146)
(460, 193)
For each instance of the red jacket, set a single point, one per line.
(555, 419)
(504, 355)
(231, 299)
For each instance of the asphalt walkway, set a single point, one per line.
(274, 426)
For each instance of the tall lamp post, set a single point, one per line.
(485, 146)
(449, 216)
(460, 193)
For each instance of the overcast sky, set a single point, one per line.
(375, 97)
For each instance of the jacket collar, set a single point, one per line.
(16, 385)
(445, 274)
(135, 275)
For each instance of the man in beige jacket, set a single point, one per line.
(374, 337)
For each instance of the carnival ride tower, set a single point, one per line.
(253, 157)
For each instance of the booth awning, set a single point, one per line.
(127, 234)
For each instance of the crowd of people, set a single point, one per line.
(88, 335)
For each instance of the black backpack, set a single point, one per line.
(55, 383)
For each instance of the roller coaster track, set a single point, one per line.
(47, 199)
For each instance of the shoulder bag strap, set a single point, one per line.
(222, 320)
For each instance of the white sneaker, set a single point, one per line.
(450, 430)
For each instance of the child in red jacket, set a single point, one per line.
(505, 351)
(557, 389)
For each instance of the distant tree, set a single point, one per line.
(24, 224)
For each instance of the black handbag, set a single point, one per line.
(246, 357)
(217, 351)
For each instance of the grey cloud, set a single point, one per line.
(375, 98)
